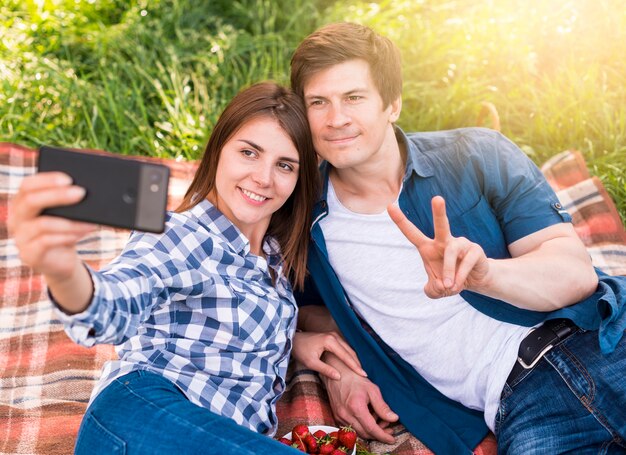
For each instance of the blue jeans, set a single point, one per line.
(144, 413)
(573, 401)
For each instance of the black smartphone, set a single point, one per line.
(121, 192)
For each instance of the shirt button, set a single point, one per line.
(558, 206)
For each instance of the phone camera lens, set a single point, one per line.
(128, 197)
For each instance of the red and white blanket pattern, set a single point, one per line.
(46, 380)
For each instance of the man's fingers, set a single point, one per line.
(454, 252)
(440, 219)
(367, 428)
(410, 231)
(381, 408)
(372, 430)
(472, 256)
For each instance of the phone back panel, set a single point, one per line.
(112, 185)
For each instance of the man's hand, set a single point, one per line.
(548, 269)
(452, 263)
(356, 401)
(309, 347)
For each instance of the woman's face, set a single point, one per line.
(256, 173)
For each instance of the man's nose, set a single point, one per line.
(337, 116)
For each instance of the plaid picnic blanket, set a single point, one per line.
(46, 380)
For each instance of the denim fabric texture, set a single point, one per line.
(573, 401)
(144, 413)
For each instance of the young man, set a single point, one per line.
(436, 255)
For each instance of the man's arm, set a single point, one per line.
(354, 399)
(316, 318)
(357, 401)
(549, 269)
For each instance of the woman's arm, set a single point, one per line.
(47, 243)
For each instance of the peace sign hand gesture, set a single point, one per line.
(452, 263)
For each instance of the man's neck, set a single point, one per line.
(370, 188)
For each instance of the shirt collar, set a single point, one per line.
(216, 222)
(415, 161)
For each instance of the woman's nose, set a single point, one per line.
(262, 175)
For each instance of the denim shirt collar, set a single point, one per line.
(415, 162)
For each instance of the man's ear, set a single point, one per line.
(396, 107)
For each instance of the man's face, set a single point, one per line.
(350, 127)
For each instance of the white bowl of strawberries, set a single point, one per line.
(321, 439)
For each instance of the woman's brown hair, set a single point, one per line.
(290, 224)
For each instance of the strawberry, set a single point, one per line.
(298, 444)
(300, 430)
(319, 434)
(285, 441)
(347, 437)
(334, 437)
(326, 448)
(338, 451)
(311, 443)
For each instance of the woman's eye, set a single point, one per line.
(285, 166)
(248, 153)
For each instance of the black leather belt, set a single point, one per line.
(538, 342)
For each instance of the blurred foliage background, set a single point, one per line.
(151, 77)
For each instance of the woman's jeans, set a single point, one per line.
(144, 413)
(573, 401)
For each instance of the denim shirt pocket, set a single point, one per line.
(479, 224)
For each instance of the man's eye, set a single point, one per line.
(354, 98)
(316, 103)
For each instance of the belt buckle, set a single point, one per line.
(551, 332)
(536, 359)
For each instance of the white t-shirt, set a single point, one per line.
(463, 353)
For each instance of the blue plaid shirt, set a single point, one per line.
(194, 305)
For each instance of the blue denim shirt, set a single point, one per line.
(494, 196)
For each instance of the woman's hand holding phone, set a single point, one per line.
(48, 243)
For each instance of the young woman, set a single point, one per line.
(204, 313)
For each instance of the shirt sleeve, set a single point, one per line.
(125, 292)
(515, 188)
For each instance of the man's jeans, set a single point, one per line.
(144, 413)
(573, 400)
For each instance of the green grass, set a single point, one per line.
(150, 77)
(137, 77)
